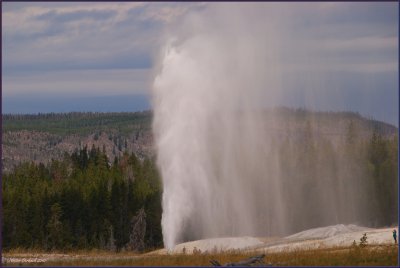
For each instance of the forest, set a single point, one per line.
(81, 202)
(87, 201)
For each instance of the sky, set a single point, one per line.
(60, 57)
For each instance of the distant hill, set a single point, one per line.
(331, 124)
(43, 137)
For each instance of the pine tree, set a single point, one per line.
(55, 227)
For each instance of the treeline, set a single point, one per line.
(83, 202)
(73, 115)
(77, 122)
(333, 118)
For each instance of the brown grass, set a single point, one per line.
(343, 256)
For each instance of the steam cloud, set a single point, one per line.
(219, 154)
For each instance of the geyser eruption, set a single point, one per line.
(230, 168)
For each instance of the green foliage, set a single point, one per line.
(55, 227)
(80, 202)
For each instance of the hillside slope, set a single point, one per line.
(43, 137)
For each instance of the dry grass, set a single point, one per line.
(350, 256)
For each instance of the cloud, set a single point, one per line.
(54, 16)
(353, 37)
(63, 36)
(310, 49)
(79, 82)
(84, 36)
(372, 54)
(70, 48)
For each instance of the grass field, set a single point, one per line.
(383, 255)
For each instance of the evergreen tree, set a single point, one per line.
(55, 228)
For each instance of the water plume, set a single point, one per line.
(230, 168)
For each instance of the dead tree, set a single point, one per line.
(138, 227)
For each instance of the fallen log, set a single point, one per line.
(247, 262)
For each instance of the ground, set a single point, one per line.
(328, 246)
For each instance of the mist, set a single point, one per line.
(232, 164)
